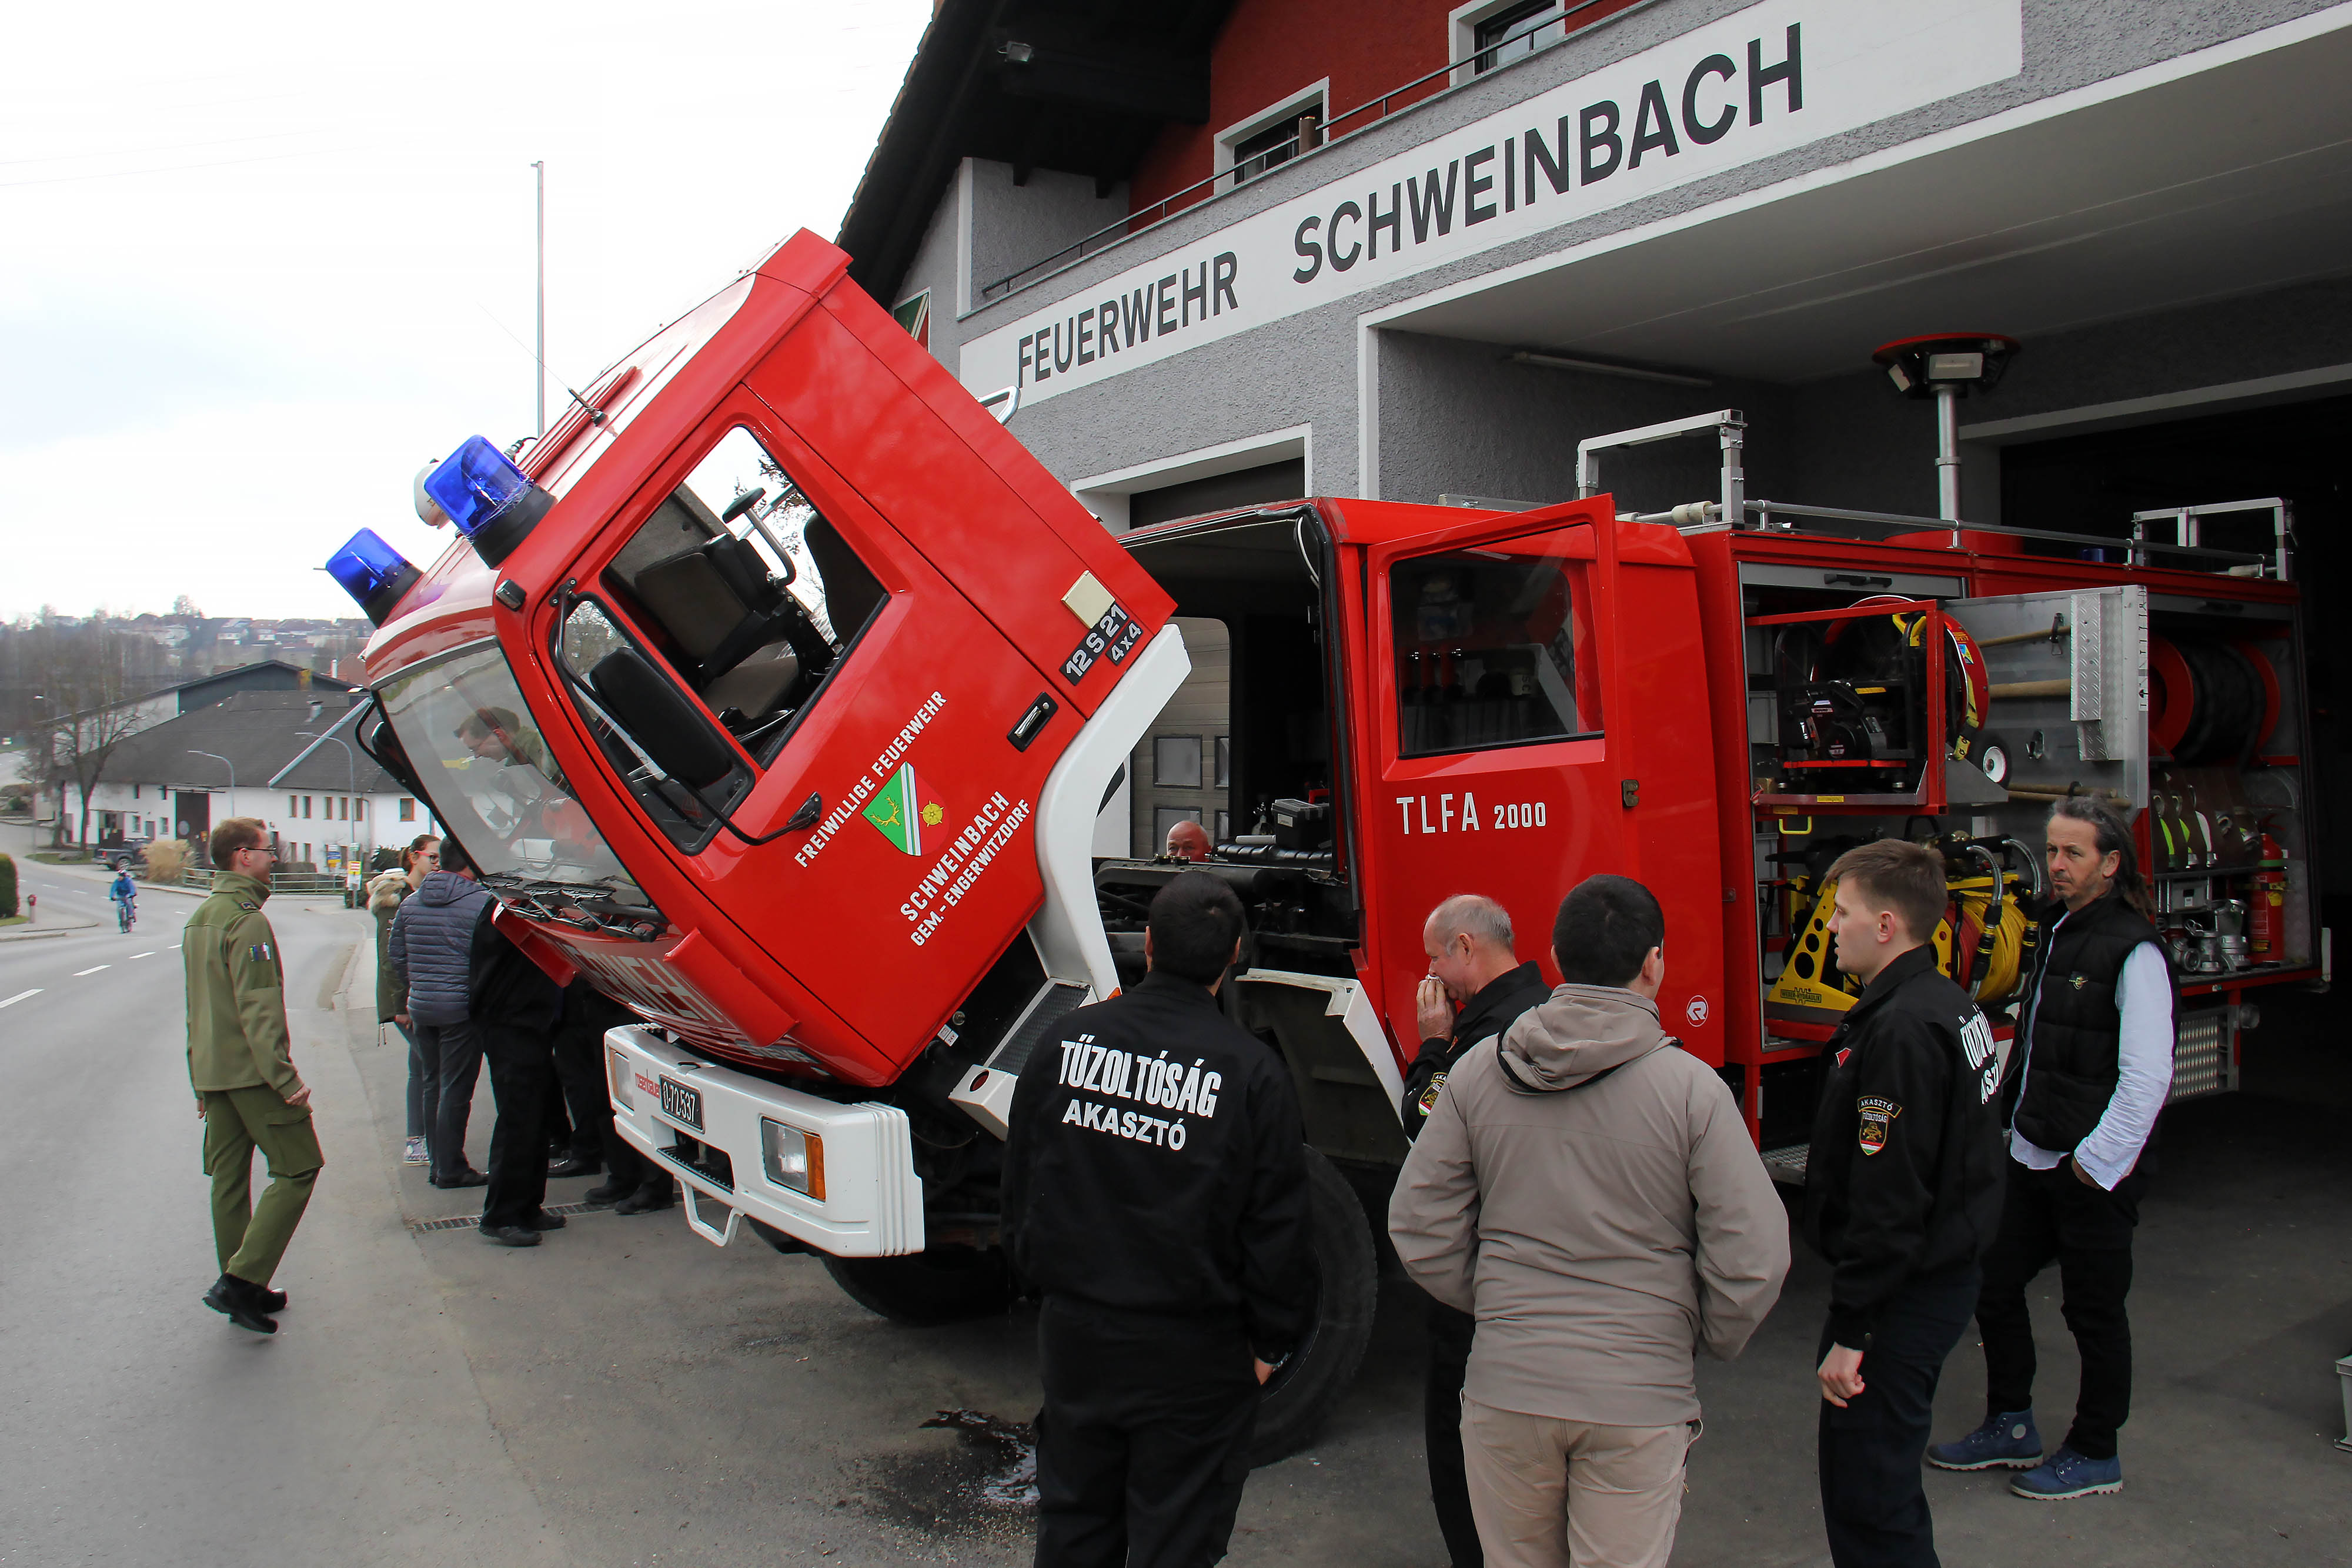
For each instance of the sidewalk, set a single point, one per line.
(48, 925)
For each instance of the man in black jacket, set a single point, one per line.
(1155, 1189)
(1474, 964)
(1902, 1191)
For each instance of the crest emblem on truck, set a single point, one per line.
(905, 809)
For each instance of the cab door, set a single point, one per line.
(1538, 718)
(880, 850)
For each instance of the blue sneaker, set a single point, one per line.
(2069, 1474)
(2007, 1441)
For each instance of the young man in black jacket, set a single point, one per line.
(1473, 963)
(1155, 1189)
(1903, 1192)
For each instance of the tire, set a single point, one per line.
(929, 1289)
(1301, 1395)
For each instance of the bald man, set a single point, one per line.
(1472, 964)
(1187, 841)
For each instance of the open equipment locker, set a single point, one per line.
(2083, 655)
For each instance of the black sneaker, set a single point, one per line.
(270, 1301)
(608, 1193)
(468, 1178)
(235, 1300)
(510, 1235)
(542, 1221)
(569, 1166)
(655, 1195)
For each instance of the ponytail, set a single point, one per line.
(2113, 839)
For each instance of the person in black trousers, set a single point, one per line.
(632, 1184)
(1903, 1193)
(515, 1010)
(580, 1070)
(1473, 964)
(1155, 1189)
(2099, 1023)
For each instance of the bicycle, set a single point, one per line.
(127, 912)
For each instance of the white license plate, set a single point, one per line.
(681, 1103)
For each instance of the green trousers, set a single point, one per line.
(251, 1237)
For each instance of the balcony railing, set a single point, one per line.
(1313, 134)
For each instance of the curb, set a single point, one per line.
(45, 931)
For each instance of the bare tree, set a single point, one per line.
(89, 685)
(183, 605)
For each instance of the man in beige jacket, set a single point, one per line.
(1590, 1193)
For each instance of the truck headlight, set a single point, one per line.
(795, 1159)
(616, 1073)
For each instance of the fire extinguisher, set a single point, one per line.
(2266, 921)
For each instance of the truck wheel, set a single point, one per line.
(1302, 1394)
(927, 1289)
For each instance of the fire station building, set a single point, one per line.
(1212, 252)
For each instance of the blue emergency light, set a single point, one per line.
(374, 573)
(492, 502)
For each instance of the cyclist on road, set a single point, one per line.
(124, 893)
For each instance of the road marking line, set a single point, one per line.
(175, 946)
(149, 953)
(20, 996)
(78, 974)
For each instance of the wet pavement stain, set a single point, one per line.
(984, 1486)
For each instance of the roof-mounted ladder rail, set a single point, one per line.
(1729, 427)
(2189, 528)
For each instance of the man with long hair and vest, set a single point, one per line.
(2098, 1035)
(1903, 1193)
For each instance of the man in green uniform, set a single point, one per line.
(242, 1069)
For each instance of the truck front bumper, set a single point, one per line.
(838, 1179)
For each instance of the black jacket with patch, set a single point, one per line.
(1496, 1008)
(1155, 1164)
(1905, 1171)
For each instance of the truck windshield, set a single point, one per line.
(462, 722)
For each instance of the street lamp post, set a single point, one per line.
(354, 764)
(540, 382)
(224, 762)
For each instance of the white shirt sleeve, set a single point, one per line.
(2145, 1060)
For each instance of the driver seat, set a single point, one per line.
(724, 610)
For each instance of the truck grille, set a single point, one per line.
(711, 1164)
(1058, 1001)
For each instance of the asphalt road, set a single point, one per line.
(628, 1394)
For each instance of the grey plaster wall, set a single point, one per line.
(1303, 369)
(1459, 418)
(934, 267)
(1014, 225)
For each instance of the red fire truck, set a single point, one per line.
(780, 691)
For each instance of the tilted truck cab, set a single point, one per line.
(785, 696)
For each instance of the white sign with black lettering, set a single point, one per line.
(1756, 83)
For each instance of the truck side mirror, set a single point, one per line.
(665, 726)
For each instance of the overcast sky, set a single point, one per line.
(260, 262)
